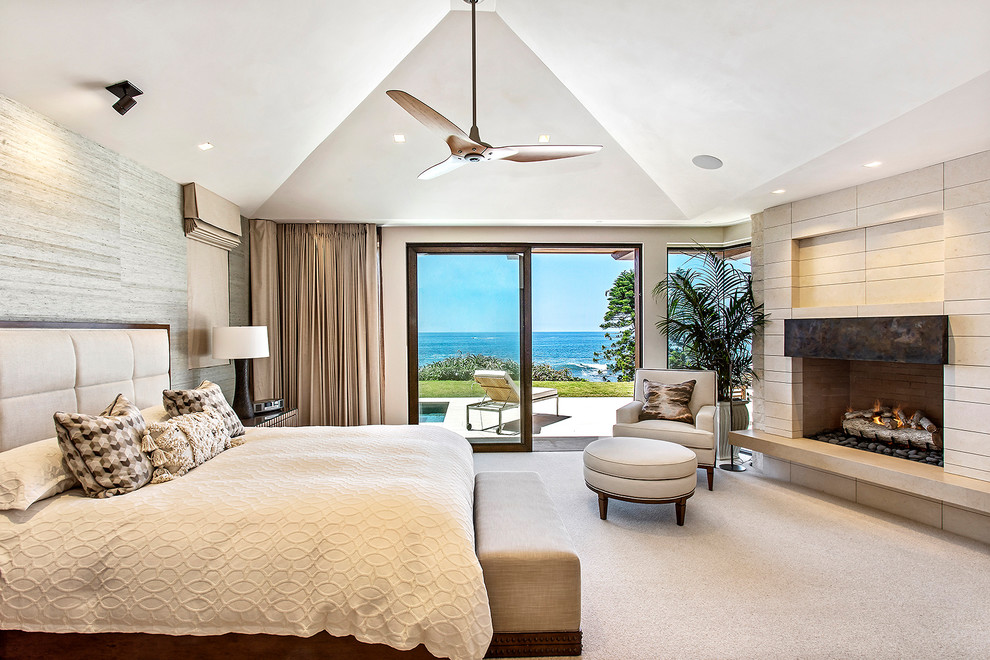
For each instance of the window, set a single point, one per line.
(686, 258)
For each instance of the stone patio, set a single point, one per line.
(581, 417)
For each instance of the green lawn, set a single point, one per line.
(439, 389)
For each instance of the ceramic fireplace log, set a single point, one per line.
(903, 437)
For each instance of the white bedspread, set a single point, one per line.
(364, 531)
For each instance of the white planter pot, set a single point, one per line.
(740, 415)
(739, 421)
(722, 430)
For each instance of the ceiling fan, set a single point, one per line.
(469, 148)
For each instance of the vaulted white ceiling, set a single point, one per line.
(790, 95)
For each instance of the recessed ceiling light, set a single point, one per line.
(206, 146)
(544, 138)
(779, 191)
(875, 163)
(707, 162)
(399, 137)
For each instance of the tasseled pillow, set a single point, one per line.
(183, 402)
(181, 443)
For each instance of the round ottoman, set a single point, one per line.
(640, 470)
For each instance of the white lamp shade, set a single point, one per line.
(250, 341)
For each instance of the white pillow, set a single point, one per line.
(154, 414)
(31, 473)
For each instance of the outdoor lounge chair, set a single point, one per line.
(501, 394)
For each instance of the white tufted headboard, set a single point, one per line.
(70, 369)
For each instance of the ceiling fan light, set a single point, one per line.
(468, 147)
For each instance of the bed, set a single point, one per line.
(357, 542)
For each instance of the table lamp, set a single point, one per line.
(240, 344)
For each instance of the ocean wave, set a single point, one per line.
(596, 367)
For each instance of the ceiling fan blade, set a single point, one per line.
(527, 153)
(448, 165)
(426, 115)
(500, 153)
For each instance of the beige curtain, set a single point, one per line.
(265, 307)
(325, 287)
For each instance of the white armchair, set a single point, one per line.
(698, 437)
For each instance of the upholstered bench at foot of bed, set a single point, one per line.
(532, 572)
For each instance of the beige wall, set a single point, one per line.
(912, 244)
(654, 241)
(88, 235)
(738, 233)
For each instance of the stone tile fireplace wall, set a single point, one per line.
(913, 244)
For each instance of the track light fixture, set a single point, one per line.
(126, 92)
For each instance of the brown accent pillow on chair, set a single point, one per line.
(667, 401)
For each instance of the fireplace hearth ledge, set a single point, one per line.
(909, 477)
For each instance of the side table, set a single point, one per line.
(283, 418)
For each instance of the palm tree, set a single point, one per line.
(712, 312)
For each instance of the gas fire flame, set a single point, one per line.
(878, 417)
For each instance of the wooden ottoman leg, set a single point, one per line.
(602, 505)
(680, 505)
(711, 475)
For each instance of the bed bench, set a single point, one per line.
(532, 572)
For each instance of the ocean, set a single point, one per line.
(561, 350)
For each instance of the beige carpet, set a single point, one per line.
(763, 569)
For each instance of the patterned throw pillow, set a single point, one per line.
(104, 451)
(183, 402)
(667, 401)
(181, 443)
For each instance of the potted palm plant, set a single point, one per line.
(712, 314)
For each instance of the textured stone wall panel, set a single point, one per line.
(88, 235)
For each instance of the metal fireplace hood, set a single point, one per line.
(912, 339)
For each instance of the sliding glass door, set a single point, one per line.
(468, 344)
(585, 344)
(513, 344)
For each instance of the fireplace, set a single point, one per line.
(874, 384)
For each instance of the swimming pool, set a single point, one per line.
(432, 411)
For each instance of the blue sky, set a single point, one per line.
(677, 260)
(479, 293)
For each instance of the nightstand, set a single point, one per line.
(283, 418)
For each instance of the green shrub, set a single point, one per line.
(544, 372)
(462, 367)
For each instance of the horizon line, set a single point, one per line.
(508, 332)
